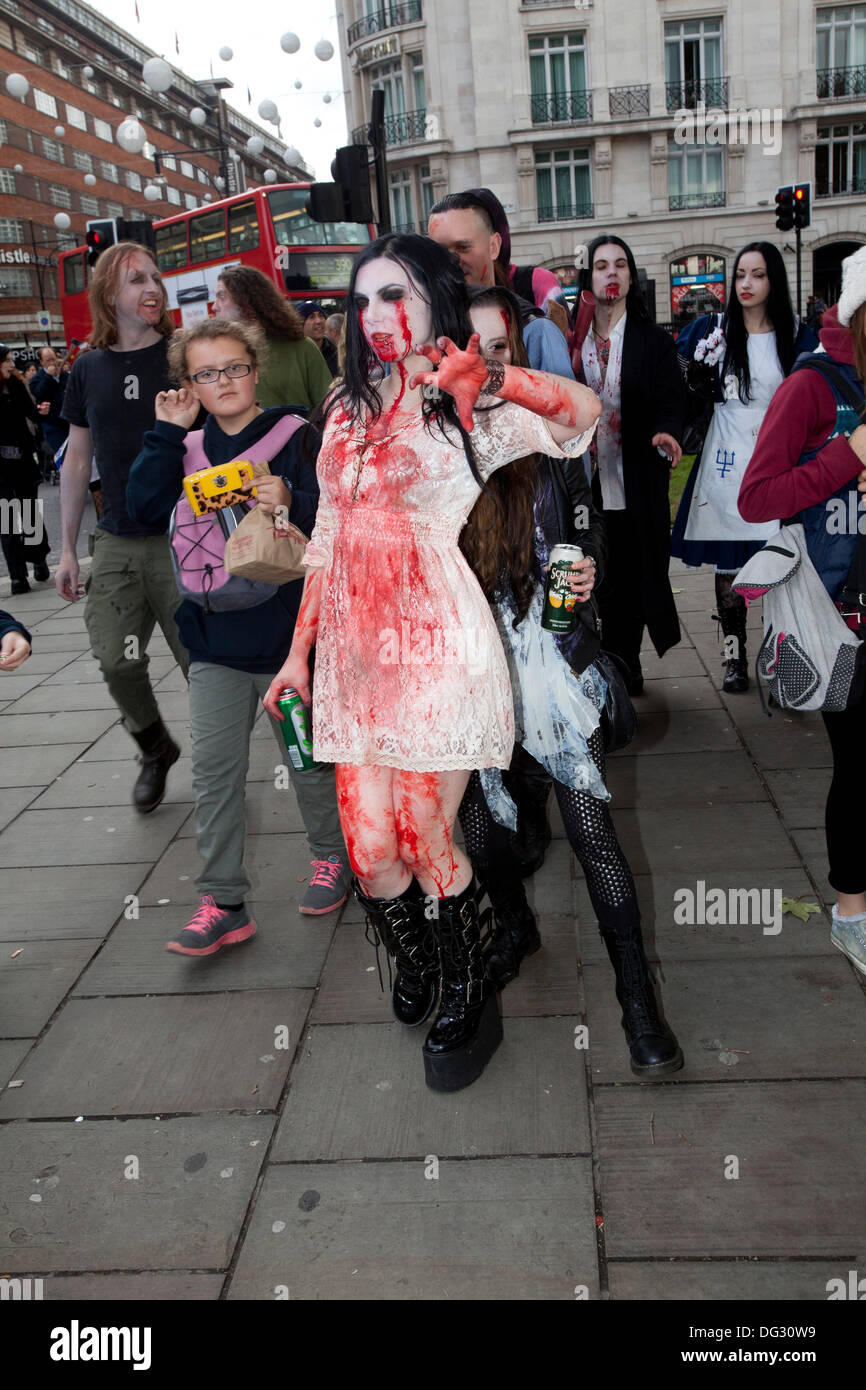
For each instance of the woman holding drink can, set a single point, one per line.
(559, 685)
(404, 708)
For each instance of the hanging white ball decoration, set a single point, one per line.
(198, 115)
(268, 110)
(298, 85)
(290, 43)
(152, 193)
(219, 182)
(292, 156)
(131, 135)
(324, 50)
(62, 221)
(60, 131)
(157, 74)
(87, 72)
(17, 84)
(207, 198)
(19, 168)
(226, 53)
(90, 180)
(270, 176)
(317, 122)
(255, 144)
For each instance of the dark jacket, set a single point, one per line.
(251, 639)
(45, 387)
(10, 624)
(562, 487)
(16, 408)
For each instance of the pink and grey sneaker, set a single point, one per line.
(327, 889)
(211, 928)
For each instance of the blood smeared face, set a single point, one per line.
(394, 316)
(611, 279)
(492, 325)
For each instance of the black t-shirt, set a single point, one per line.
(112, 394)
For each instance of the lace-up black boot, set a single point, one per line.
(732, 616)
(467, 1029)
(653, 1047)
(402, 927)
(515, 934)
(159, 753)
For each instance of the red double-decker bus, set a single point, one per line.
(268, 228)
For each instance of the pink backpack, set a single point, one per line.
(198, 543)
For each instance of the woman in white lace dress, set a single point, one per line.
(411, 684)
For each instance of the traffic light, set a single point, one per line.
(100, 234)
(348, 198)
(785, 208)
(802, 204)
(140, 230)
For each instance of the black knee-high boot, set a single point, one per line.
(467, 1028)
(732, 616)
(407, 934)
(653, 1047)
(515, 932)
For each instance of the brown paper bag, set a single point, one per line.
(261, 548)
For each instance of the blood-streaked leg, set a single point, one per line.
(366, 805)
(425, 809)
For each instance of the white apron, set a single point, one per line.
(728, 447)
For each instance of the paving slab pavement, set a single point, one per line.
(273, 1114)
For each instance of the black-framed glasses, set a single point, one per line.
(209, 375)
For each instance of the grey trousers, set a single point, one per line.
(130, 588)
(223, 704)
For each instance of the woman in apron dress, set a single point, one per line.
(747, 352)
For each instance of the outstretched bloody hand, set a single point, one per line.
(461, 373)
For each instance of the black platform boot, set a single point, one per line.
(467, 1029)
(515, 933)
(732, 616)
(653, 1047)
(159, 752)
(408, 936)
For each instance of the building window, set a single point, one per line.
(173, 196)
(401, 201)
(190, 201)
(52, 150)
(557, 76)
(841, 51)
(45, 102)
(102, 129)
(426, 190)
(89, 205)
(390, 78)
(61, 68)
(696, 177)
(132, 180)
(11, 229)
(60, 197)
(15, 283)
(113, 210)
(83, 161)
(693, 64)
(108, 170)
(76, 117)
(170, 162)
(562, 185)
(4, 136)
(186, 169)
(840, 160)
(419, 91)
(28, 49)
(202, 176)
(7, 181)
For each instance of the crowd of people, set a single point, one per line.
(433, 445)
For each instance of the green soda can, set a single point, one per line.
(297, 730)
(560, 604)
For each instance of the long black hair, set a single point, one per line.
(635, 304)
(779, 311)
(440, 281)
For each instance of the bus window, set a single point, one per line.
(243, 227)
(74, 274)
(207, 236)
(293, 225)
(171, 245)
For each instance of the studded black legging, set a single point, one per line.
(591, 834)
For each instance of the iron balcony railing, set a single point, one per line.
(386, 17)
(628, 101)
(548, 108)
(841, 82)
(679, 202)
(567, 212)
(684, 96)
(848, 190)
(405, 128)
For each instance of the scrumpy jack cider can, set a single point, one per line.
(560, 604)
(297, 730)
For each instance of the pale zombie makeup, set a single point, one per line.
(393, 315)
(610, 273)
(752, 284)
(140, 293)
(492, 325)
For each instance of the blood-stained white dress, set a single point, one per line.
(410, 671)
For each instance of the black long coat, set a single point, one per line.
(653, 402)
